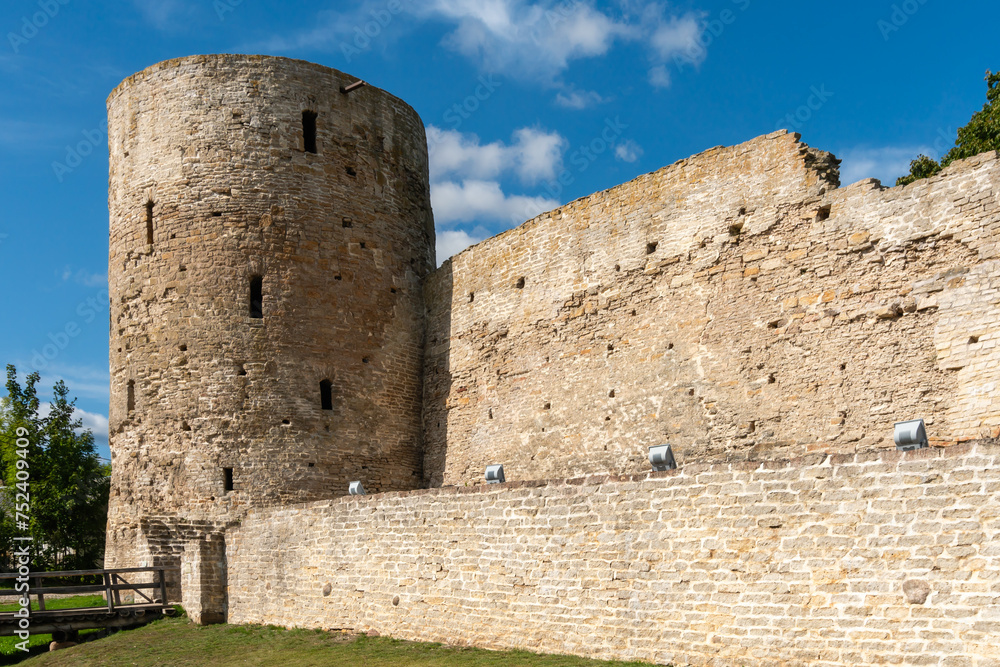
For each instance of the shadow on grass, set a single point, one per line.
(39, 643)
(179, 643)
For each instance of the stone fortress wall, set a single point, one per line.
(742, 306)
(249, 263)
(847, 560)
(738, 304)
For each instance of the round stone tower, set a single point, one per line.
(270, 232)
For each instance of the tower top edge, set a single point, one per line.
(235, 58)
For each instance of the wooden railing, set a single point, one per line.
(149, 599)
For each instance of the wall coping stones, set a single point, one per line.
(688, 472)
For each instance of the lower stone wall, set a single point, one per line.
(194, 553)
(868, 559)
(203, 579)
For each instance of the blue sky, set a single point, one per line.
(528, 104)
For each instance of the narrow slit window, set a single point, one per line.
(309, 131)
(149, 223)
(130, 397)
(326, 394)
(227, 474)
(257, 297)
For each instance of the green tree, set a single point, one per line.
(982, 134)
(67, 483)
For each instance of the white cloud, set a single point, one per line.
(84, 277)
(674, 39)
(680, 37)
(466, 180)
(659, 77)
(83, 381)
(628, 151)
(886, 163)
(533, 155)
(524, 39)
(165, 14)
(350, 31)
(454, 241)
(578, 99)
(452, 152)
(538, 154)
(542, 39)
(95, 422)
(483, 201)
(528, 39)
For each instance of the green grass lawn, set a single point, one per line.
(62, 603)
(179, 643)
(39, 643)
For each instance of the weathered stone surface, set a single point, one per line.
(342, 239)
(766, 564)
(916, 591)
(739, 304)
(831, 314)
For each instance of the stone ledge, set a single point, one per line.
(989, 448)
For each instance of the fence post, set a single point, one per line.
(116, 579)
(41, 596)
(108, 593)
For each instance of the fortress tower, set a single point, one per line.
(278, 330)
(270, 232)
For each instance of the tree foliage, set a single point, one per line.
(67, 485)
(982, 134)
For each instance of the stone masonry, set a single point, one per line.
(216, 407)
(278, 330)
(847, 559)
(737, 304)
